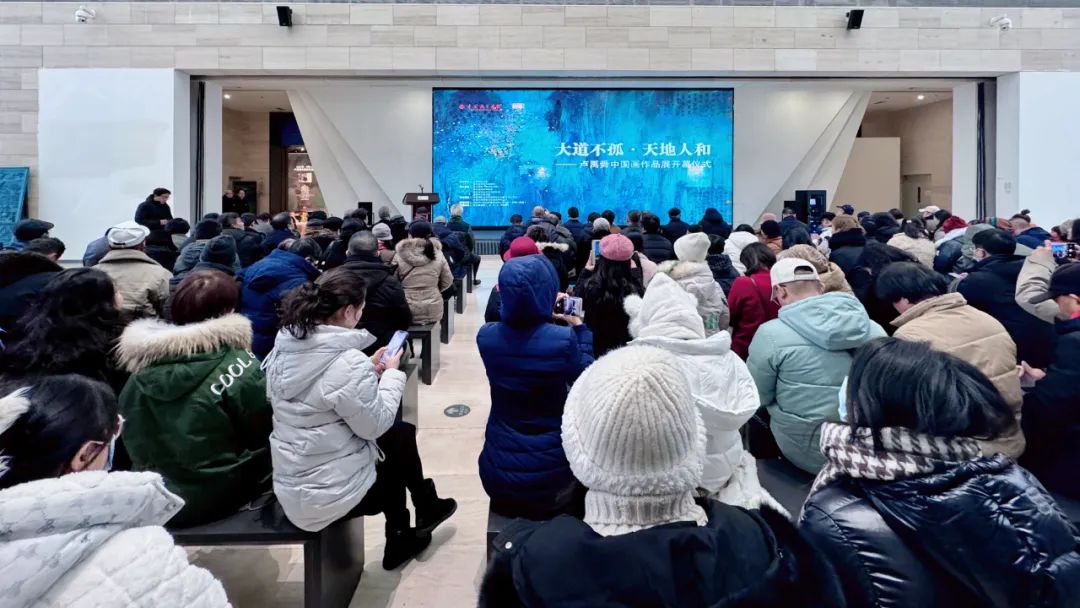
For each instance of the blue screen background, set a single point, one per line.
(500, 152)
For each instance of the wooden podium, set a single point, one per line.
(422, 203)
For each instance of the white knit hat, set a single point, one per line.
(635, 439)
(692, 247)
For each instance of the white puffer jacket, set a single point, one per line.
(329, 408)
(725, 393)
(95, 539)
(696, 278)
(734, 245)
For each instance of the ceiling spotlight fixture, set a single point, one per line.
(921, 97)
(1002, 22)
(84, 15)
(227, 96)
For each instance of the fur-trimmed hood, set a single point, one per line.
(682, 270)
(411, 251)
(148, 340)
(15, 265)
(560, 247)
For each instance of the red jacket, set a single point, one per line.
(750, 301)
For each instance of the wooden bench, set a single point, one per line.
(333, 557)
(446, 327)
(410, 401)
(788, 484)
(459, 303)
(429, 355)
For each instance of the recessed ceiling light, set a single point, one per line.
(227, 96)
(921, 97)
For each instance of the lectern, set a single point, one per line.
(422, 204)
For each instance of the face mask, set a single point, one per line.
(112, 451)
(843, 401)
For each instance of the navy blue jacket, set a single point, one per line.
(513, 232)
(1033, 237)
(714, 223)
(276, 238)
(262, 285)
(530, 363)
(576, 228)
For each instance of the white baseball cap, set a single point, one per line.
(929, 210)
(789, 270)
(127, 234)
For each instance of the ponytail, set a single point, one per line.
(429, 249)
(312, 304)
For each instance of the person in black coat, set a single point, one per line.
(249, 243)
(154, 212)
(885, 226)
(789, 221)
(385, 309)
(723, 271)
(282, 231)
(847, 243)
(23, 275)
(515, 230)
(990, 286)
(874, 258)
(908, 510)
(714, 223)
(161, 248)
(654, 244)
(335, 255)
(675, 227)
(1051, 414)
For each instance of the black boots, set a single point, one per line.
(430, 509)
(403, 545)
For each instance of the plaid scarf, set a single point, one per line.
(850, 453)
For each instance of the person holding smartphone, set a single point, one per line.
(336, 448)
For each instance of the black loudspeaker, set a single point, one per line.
(813, 204)
(366, 206)
(799, 207)
(854, 19)
(284, 16)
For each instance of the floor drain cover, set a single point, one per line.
(457, 410)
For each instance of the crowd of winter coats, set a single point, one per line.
(766, 327)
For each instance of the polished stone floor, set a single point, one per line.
(447, 573)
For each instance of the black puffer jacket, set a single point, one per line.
(723, 272)
(739, 559)
(846, 247)
(657, 248)
(249, 245)
(982, 533)
(385, 308)
(713, 223)
(991, 287)
(22, 277)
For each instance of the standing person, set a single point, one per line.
(75, 534)
(264, 283)
(249, 243)
(424, 273)
(522, 466)
(28, 230)
(196, 403)
(241, 204)
(832, 278)
(336, 447)
(604, 291)
(721, 386)
(990, 286)
(654, 244)
(910, 513)
(386, 310)
(750, 300)
(723, 271)
(154, 212)
(847, 243)
(515, 230)
(913, 240)
(1026, 232)
(771, 236)
(800, 359)
(675, 228)
(459, 225)
(281, 230)
(1052, 404)
(714, 223)
(228, 201)
(23, 275)
(948, 324)
(72, 329)
(573, 224)
(644, 539)
(142, 282)
(693, 274)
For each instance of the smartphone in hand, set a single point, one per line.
(569, 306)
(397, 342)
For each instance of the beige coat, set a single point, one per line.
(1034, 280)
(142, 282)
(947, 324)
(922, 250)
(424, 279)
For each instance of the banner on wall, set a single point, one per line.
(501, 152)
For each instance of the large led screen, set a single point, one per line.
(500, 152)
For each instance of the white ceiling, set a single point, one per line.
(893, 101)
(257, 101)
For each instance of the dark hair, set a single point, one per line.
(787, 211)
(896, 214)
(757, 257)
(264, 216)
(307, 248)
(1074, 231)
(882, 219)
(571, 212)
(608, 215)
(942, 214)
(311, 304)
(796, 235)
(609, 284)
(66, 411)
(592, 217)
(349, 227)
(650, 223)
(177, 225)
(206, 294)
(876, 256)
(716, 244)
(317, 214)
(747, 228)
(828, 215)
(248, 219)
(212, 216)
(280, 221)
(517, 219)
(1023, 215)
(908, 384)
(226, 220)
(633, 217)
(637, 239)
(537, 234)
(46, 245)
(914, 228)
(207, 229)
(160, 191)
(910, 280)
(71, 327)
(556, 214)
(995, 241)
(357, 214)
(674, 212)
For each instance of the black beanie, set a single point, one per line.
(420, 229)
(220, 250)
(207, 229)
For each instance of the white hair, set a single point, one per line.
(539, 211)
(457, 210)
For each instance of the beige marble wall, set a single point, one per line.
(372, 39)
(245, 151)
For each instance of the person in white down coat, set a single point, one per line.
(339, 448)
(72, 533)
(692, 272)
(723, 390)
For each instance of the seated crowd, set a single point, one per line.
(919, 374)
